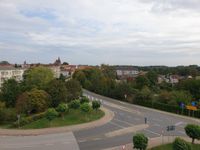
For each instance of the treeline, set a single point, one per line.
(144, 88)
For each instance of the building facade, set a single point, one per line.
(10, 72)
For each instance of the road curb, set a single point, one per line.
(33, 132)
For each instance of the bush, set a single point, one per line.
(29, 119)
(140, 141)
(75, 104)
(180, 144)
(193, 131)
(51, 113)
(84, 100)
(62, 108)
(96, 104)
(85, 107)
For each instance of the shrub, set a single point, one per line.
(85, 107)
(75, 104)
(96, 104)
(62, 108)
(140, 141)
(51, 113)
(29, 119)
(180, 144)
(193, 131)
(84, 100)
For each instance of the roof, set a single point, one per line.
(8, 67)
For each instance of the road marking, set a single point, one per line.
(117, 125)
(178, 123)
(152, 132)
(124, 122)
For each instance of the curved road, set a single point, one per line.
(117, 132)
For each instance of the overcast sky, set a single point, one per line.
(134, 32)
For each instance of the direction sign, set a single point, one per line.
(189, 107)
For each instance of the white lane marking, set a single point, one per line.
(178, 123)
(124, 122)
(116, 125)
(152, 132)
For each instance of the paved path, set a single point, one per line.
(61, 141)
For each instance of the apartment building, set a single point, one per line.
(10, 72)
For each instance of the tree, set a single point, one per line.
(33, 102)
(193, 131)
(181, 96)
(84, 99)
(85, 107)
(57, 91)
(140, 141)
(165, 97)
(152, 77)
(96, 105)
(65, 63)
(74, 89)
(51, 114)
(9, 92)
(144, 95)
(75, 104)
(62, 108)
(180, 144)
(38, 77)
(141, 81)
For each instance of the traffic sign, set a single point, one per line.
(189, 107)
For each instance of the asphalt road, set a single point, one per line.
(126, 116)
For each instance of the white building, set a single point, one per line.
(10, 72)
(126, 71)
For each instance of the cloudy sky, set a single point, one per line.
(135, 32)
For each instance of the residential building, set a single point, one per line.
(124, 72)
(10, 72)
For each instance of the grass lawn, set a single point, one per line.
(70, 118)
(169, 147)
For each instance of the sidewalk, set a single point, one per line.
(153, 142)
(29, 132)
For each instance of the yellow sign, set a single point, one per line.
(191, 107)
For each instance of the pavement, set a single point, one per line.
(59, 141)
(127, 120)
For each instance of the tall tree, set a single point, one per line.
(38, 77)
(74, 89)
(33, 102)
(9, 92)
(57, 91)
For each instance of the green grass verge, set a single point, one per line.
(71, 118)
(169, 147)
